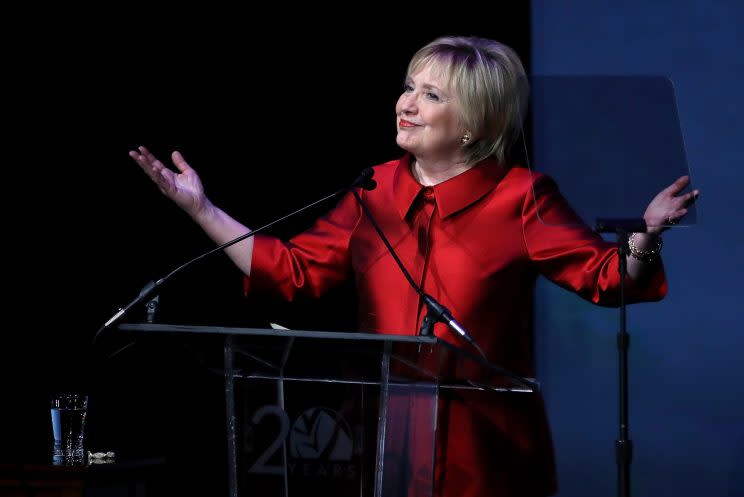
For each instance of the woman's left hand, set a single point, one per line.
(668, 208)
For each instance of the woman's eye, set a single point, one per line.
(407, 88)
(432, 96)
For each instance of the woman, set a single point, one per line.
(464, 223)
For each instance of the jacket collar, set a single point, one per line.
(452, 195)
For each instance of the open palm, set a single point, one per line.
(182, 186)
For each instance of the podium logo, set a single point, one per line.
(322, 434)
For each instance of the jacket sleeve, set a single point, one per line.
(310, 262)
(573, 256)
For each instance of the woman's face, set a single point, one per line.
(428, 119)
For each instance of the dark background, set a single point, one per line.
(271, 122)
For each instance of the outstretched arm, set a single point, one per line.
(184, 187)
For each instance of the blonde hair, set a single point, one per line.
(491, 85)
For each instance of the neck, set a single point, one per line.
(430, 174)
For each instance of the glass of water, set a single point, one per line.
(68, 426)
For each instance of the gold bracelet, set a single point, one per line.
(647, 255)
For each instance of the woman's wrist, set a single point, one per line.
(645, 247)
(206, 214)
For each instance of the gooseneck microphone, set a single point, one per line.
(364, 181)
(436, 312)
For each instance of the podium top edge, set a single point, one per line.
(227, 330)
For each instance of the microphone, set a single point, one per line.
(364, 181)
(436, 312)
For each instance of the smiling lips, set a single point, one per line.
(406, 124)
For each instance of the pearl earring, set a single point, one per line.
(465, 138)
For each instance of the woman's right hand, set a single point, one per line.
(183, 187)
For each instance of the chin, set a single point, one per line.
(402, 143)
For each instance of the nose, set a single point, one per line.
(407, 103)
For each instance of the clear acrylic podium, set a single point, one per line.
(339, 414)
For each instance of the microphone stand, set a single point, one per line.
(364, 180)
(436, 312)
(623, 444)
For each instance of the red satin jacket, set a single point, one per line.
(476, 243)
